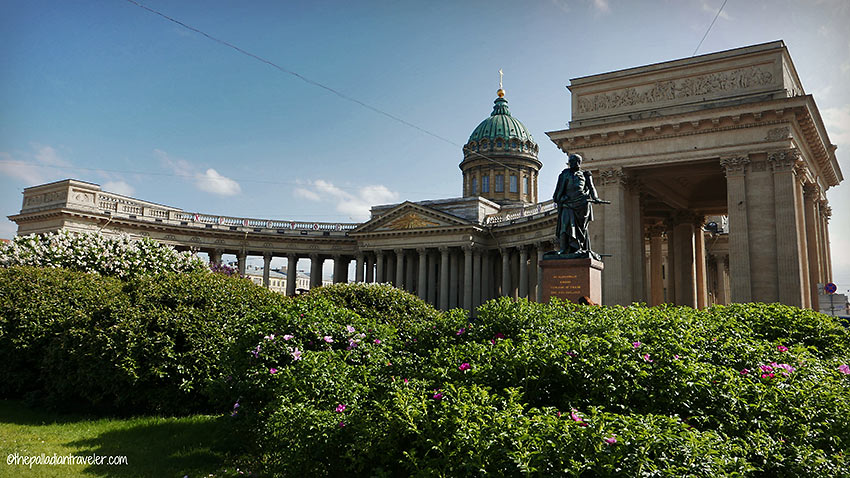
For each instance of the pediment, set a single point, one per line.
(410, 216)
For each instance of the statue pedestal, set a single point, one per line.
(572, 279)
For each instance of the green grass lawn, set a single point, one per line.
(196, 446)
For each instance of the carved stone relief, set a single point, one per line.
(669, 90)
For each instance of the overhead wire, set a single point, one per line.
(316, 83)
(709, 27)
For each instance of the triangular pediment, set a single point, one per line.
(409, 216)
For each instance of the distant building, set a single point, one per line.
(278, 279)
(716, 166)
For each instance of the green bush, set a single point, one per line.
(149, 344)
(538, 389)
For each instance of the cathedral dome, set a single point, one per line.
(500, 159)
(501, 132)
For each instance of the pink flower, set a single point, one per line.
(646, 358)
(296, 354)
(272, 370)
(767, 375)
(676, 357)
(269, 337)
(341, 424)
(464, 366)
(499, 335)
(288, 337)
(256, 352)
(845, 369)
(577, 418)
(438, 396)
(788, 369)
(636, 344)
(328, 339)
(350, 329)
(340, 408)
(377, 341)
(611, 440)
(745, 371)
(766, 368)
(461, 331)
(405, 381)
(782, 348)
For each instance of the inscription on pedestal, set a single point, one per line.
(572, 279)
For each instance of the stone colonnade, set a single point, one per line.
(443, 276)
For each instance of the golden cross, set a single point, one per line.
(500, 78)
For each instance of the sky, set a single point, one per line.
(107, 92)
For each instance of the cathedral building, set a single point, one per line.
(716, 167)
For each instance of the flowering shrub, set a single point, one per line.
(544, 390)
(119, 256)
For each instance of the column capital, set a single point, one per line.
(505, 249)
(613, 176)
(785, 161)
(398, 251)
(314, 256)
(522, 248)
(735, 165)
(443, 249)
(421, 250)
(657, 230)
(811, 192)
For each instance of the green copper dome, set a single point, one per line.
(501, 125)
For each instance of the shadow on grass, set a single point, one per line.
(193, 446)
(197, 445)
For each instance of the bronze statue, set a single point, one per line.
(574, 196)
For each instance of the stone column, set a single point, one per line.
(739, 241)
(541, 250)
(444, 278)
(699, 256)
(335, 278)
(409, 273)
(215, 256)
(476, 277)
(684, 254)
(291, 274)
(399, 268)
(316, 270)
(486, 277)
(656, 260)
(454, 281)
(241, 260)
(344, 262)
(422, 283)
(523, 272)
(267, 265)
(722, 263)
(534, 284)
(467, 277)
(790, 264)
(506, 271)
(826, 215)
(359, 267)
(379, 266)
(370, 268)
(432, 278)
(617, 225)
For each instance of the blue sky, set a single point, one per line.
(107, 92)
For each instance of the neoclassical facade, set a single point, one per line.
(729, 136)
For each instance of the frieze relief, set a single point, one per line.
(662, 91)
(46, 198)
(777, 134)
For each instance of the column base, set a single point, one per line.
(575, 280)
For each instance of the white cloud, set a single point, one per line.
(118, 187)
(562, 4)
(602, 6)
(355, 204)
(213, 182)
(837, 122)
(210, 181)
(35, 167)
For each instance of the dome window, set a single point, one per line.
(499, 143)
